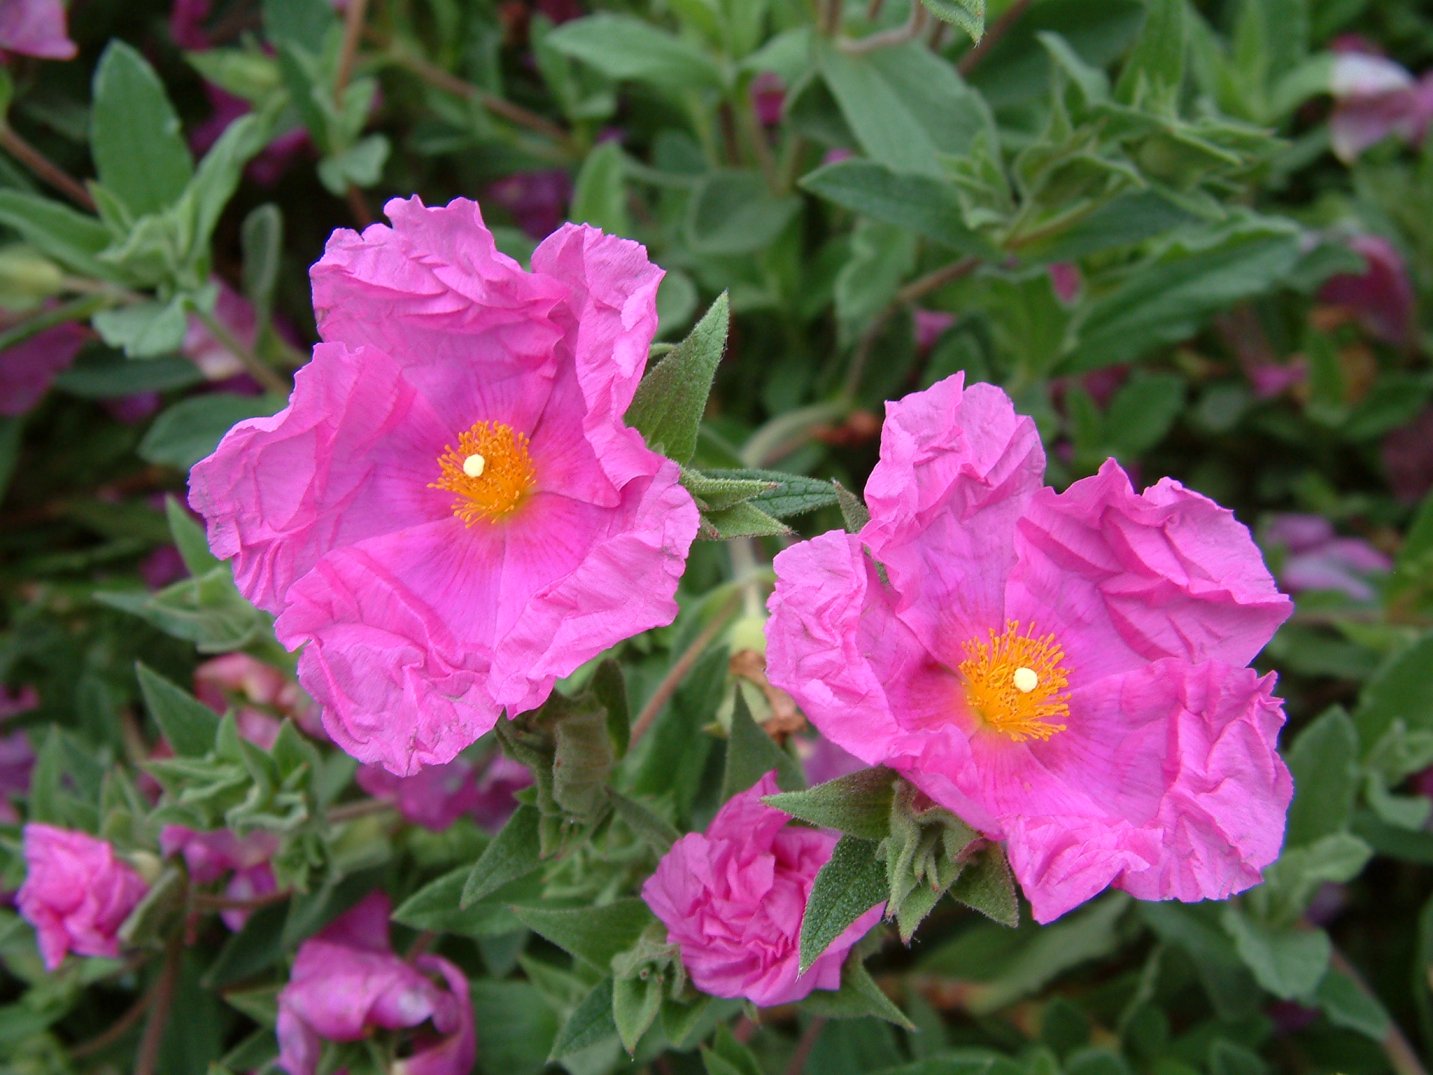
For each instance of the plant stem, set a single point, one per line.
(1402, 1058)
(115, 1031)
(45, 169)
(782, 434)
(161, 997)
(808, 1038)
(203, 901)
(255, 366)
(683, 664)
(998, 29)
(357, 809)
(353, 16)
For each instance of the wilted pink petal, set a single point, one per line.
(1380, 296)
(428, 597)
(29, 368)
(1063, 671)
(76, 894)
(732, 900)
(35, 28)
(347, 982)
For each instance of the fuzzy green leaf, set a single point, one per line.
(968, 15)
(751, 754)
(590, 1022)
(669, 402)
(1288, 962)
(513, 853)
(592, 934)
(858, 804)
(135, 135)
(849, 885)
(188, 724)
(985, 885)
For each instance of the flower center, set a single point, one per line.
(490, 471)
(1016, 682)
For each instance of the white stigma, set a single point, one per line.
(474, 465)
(1026, 680)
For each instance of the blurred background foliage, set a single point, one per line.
(1182, 234)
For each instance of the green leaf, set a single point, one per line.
(1324, 764)
(298, 22)
(513, 853)
(599, 195)
(1288, 962)
(858, 996)
(1158, 55)
(192, 428)
(926, 205)
(854, 512)
(658, 833)
(635, 1004)
(905, 105)
(1290, 883)
(750, 755)
(438, 905)
(104, 375)
(1398, 691)
(669, 402)
(590, 1022)
(517, 1026)
(986, 885)
(858, 804)
(968, 15)
(189, 538)
(1142, 412)
(262, 236)
(1168, 297)
(592, 934)
(188, 724)
(135, 136)
(359, 164)
(738, 521)
(718, 494)
(71, 238)
(623, 47)
(849, 885)
(1349, 1006)
(609, 687)
(583, 758)
(143, 329)
(727, 1056)
(732, 213)
(777, 494)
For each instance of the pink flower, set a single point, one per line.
(236, 314)
(930, 326)
(732, 900)
(1375, 98)
(210, 855)
(261, 695)
(451, 514)
(1315, 559)
(768, 97)
(76, 893)
(1064, 671)
(537, 200)
(29, 368)
(437, 796)
(347, 982)
(1380, 296)
(35, 28)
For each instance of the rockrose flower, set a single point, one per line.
(1064, 671)
(451, 514)
(209, 856)
(440, 794)
(35, 28)
(732, 900)
(347, 982)
(76, 893)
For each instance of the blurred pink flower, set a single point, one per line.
(732, 900)
(537, 201)
(823, 760)
(236, 314)
(434, 586)
(1380, 296)
(210, 855)
(1316, 559)
(260, 694)
(1375, 98)
(35, 28)
(930, 325)
(1066, 281)
(437, 796)
(768, 97)
(76, 894)
(1407, 454)
(347, 982)
(1064, 671)
(29, 368)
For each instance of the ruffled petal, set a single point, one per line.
(1124, 579)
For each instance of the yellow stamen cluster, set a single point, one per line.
(490, 472)
(1015, 683)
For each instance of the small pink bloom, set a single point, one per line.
(76, 893)
(768, 97)
(434, 586)
(209, 856)
(537, 201)
(437, 796)
(20, 700)
(347, 982)
(1064, 671)
(261, 695)
(930, 325)
(236, 314)
(1066, 281)
(29, 368)
(1316, 559)
(1375, 98)
(732, 900)
(1380, 296)
(35, 28)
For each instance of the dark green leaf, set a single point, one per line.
(135, 136)
(1348, 1005)
(727, 1056)
(299, 22)
(751, 754)
(669, 402)
(926, 205)
(71, 238)
(623, 47)
(188, 724)
(635, 1004)
(263, 241)
(854, 512)
(1324, 764)
(1158, 56)
(189, 538)
(592, 934)
(590, 1022)
(1288, 962)
(513, 853)
(517, 1026)
(781, 495)
(985, 885)
(191, 429)
(599, 195)
(104, 375)
(1399, 691)
(858, 804)
(849, 885)
(968, 15)
(658, 833)
(437, 905)
(858, 996)
(734, 213)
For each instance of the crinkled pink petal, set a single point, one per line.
(35, 28)
(956, 468)
(76, 893)
(1124, 579)
(732, 900)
